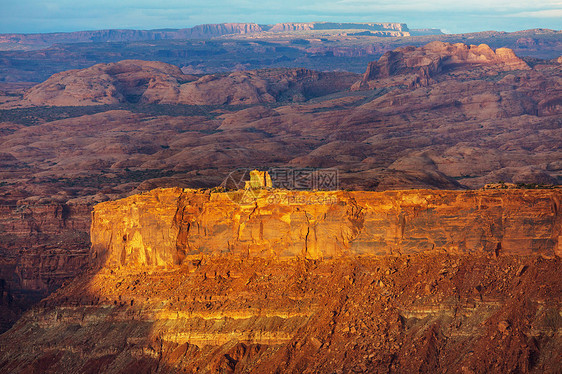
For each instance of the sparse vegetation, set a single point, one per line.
(37, 115)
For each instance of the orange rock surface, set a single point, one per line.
(475, 123)
(166, 227)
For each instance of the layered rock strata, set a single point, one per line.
(421, 313)
(165, 227)
(205, 31)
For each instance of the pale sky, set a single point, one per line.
(28, 16)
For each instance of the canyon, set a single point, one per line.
(42, 246)
(442, 116)
(199, 281)
(123, 249)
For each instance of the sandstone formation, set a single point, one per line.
(297, 282)
(379, 29)
(167, 226)
(258, 179)
(407, 314)
(103, 36)
(282, 281)
(156, 82)
(457, 131)
(104, 83)
(420, 65)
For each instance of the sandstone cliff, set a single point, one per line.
(166, 226)
(379, 29)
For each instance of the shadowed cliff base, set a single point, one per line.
(42, 245)
(168, 295)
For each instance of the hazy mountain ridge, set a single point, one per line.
(206, 31)
(326, 51)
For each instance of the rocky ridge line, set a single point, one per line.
(233, 308)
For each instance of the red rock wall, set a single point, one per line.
(165, 226)
(41, 246)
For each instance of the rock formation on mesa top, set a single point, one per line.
(258, 179)
(158, 82)
(164, 227)
(421, 64)
(380, 29)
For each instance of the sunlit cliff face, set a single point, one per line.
(194, 281)
(166, 226)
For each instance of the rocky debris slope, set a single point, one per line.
(157, 82)
(250, 294)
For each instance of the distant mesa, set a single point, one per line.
(201, 32)
(379, 29)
